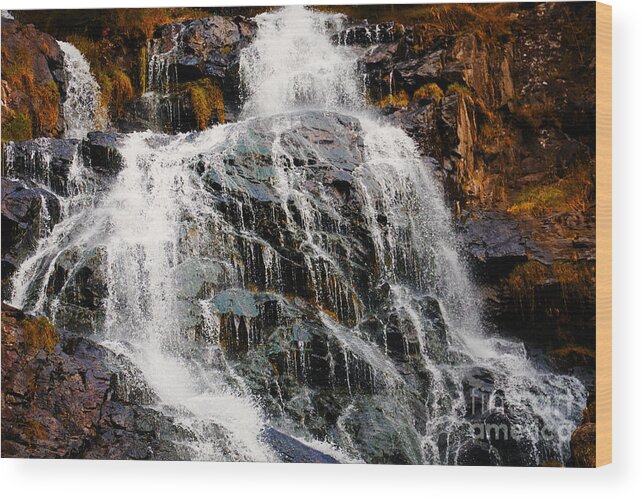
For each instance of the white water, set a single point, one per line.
(141, 224)
(81, 108)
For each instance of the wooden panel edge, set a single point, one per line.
(603, 234)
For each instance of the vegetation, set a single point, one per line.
(575, 278)
(430, 91)
(457, 88)
(39, 112)
(571, 193)
(40, 334)
(399, 99)
(207, 99)
(489, 20)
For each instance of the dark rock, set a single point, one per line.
(27, 215)
(100, 153)
(58, 400)
(494, 243)
(291, 450)
(45, 161)
(370, 34)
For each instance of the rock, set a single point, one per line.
(370, 34)
(41, 101)
(100, 153)
(46, 161)
(201, 47)
(58, 400)
(291, 450)
(494, 244)
(27, 215)
(583, 446)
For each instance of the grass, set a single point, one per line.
(457, 88)
(207, 99)
(491, 21)
(430, 91)
(571, 193)
(399, 99)
(39, 113)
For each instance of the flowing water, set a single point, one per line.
(160, 229)
(81, 107)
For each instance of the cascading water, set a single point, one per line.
(298, 270)
(81, 107)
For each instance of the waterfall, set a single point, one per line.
(229, 255)
(81, 107)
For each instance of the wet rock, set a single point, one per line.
(203, 47)
(494, 243)
(291, 450)
(100, 153)
(58, 400)
(45, 161)
(370, 34)
(27, 215)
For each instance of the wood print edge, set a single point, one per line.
(603, 234)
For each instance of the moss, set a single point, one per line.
(429, 91)
(571, 193)
(40, 334)
(577, 280)
(457, 88)
(538, 114)
(400, 99)
(207, 99)
(33, 430)
(122, 90)
(17, 127)
(142, 69)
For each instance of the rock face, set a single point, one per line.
(507, 120)
(61, 399)
(45, 179)
(32, 82)
(193, 75)
(27, 215)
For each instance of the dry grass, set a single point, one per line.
(207, 98)
(399, 99)
(576, 279)
(571, 193)
(39, 113)
(40, 334)
(430, 91)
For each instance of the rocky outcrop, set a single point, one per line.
(27, 215)
(40, 179)
(193, 75)
(32, 82)
(61, 399)
(508, 122)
